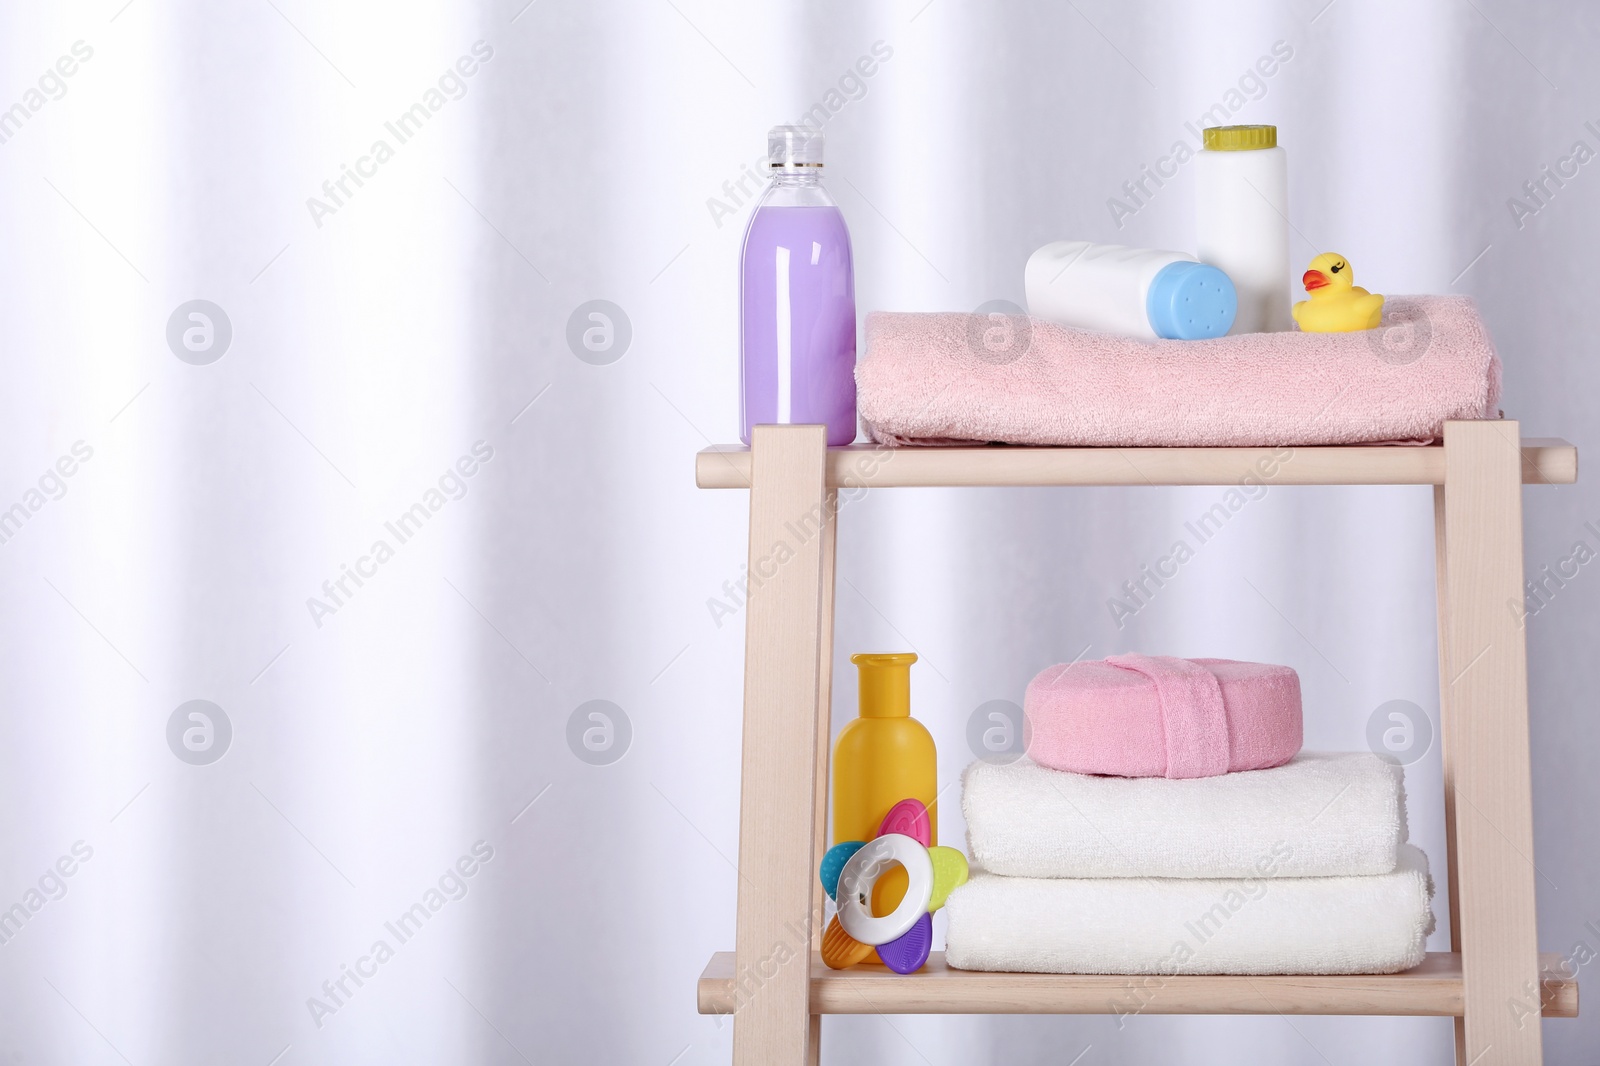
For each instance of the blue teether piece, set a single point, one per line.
(833, 865)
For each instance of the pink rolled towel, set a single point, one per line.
(1154, 716)
(947, 378)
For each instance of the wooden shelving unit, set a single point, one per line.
(774, 983)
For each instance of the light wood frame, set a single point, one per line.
(1494, 982)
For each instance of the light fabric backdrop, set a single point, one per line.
(396, 728)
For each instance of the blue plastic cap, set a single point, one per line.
(1191, 302)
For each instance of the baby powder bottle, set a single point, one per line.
(1133, 291)
(1242, 220)
(798, 298)
(881, 758)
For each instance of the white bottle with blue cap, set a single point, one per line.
(1137, 292)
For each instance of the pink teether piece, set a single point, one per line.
(908, 818)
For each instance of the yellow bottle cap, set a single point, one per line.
(885, 684)
(1240, 138)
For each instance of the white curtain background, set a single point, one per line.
(417, 725)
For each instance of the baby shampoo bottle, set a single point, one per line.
(881, 758)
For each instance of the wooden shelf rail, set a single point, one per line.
(1433, 988)
(727, 466)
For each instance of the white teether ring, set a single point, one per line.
(861, 874)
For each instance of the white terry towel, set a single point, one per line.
(1319, 815)
(1294, 925)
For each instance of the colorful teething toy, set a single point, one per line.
(851, 869)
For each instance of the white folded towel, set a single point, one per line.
(1286, 925)
(1321, 814)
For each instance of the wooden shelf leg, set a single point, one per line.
(1484, 733)
(790, 548)
(819, 844)
(1442, 588)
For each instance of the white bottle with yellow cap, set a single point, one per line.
(1242, 221)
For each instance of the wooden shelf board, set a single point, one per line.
(727, 466)
(1433, 988)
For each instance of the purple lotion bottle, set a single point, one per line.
(798, 306)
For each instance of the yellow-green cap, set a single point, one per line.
(885, 684)
(1240, 138)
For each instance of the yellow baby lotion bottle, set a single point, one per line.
(881, 758)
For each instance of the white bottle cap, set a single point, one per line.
(793, 149)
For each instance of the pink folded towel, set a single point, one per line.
(947, 378)
(1154, 716)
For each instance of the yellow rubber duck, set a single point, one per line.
(1337, 304)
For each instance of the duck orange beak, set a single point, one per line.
(1314, 279)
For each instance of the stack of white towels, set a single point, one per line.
(1300, 869)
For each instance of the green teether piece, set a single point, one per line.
(949, 873)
